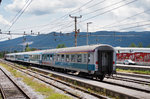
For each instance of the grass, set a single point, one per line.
(0, 96)
(48, 92)
(57, 96)
(147, 72)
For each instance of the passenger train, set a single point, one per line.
(95, 60)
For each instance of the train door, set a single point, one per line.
(105, 61)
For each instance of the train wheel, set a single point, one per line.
(101, 77)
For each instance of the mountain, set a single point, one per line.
(51, 40)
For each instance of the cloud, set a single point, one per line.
(41, 7)
(4, 21)
(51, 9)
(16, 5)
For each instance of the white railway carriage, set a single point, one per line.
(10, 57)
(96, 60)
(31, 57)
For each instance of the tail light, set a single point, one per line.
(97, 62)
(113, 62)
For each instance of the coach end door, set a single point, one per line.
(105, 61)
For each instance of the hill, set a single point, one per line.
(51, 40)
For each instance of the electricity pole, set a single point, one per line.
(87, 32)
(76, 32)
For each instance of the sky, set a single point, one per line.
(45, 16)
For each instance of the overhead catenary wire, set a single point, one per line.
(117, 22)
(66, 15)
(135, 26)
(96, 35)
(105, 12)
(21, 12)
(91, 5)
(110, 10)
(17, 14)
(65, 26)
(58, 25)
(104, 7)
(56, 21)
(85, 4)
(127, 24)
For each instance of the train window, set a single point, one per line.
(62, 58)
(44, 57)
(51, 57)
(54, 57)
(88, 58)
(73, 58)
(79, 58)
(84, 58)
(47, 58)
(67, 58)
(38, 57)
(58, 57)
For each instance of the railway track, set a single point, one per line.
(128, 86)
(9, 88)
(131, 80)
(60, 84)
(147, 91)
(125, 86)
(143, 76)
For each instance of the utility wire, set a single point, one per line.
(117, 22)
(19, 11)
(91, 6)
(102, 13)
(105, 7)
(76, 12)
(138, 22)
(106, 11)
(23, 10)
(109, 10)
(136, 26)
(66, 15)
(17, 14)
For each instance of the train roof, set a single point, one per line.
(23, 53)
(87, 48)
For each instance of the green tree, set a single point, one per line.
(61, 46)
(148, 46)
(33, 49)
(140, 44)
(133, 45)
(27, 48)
(2, 53)
(15, 51)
